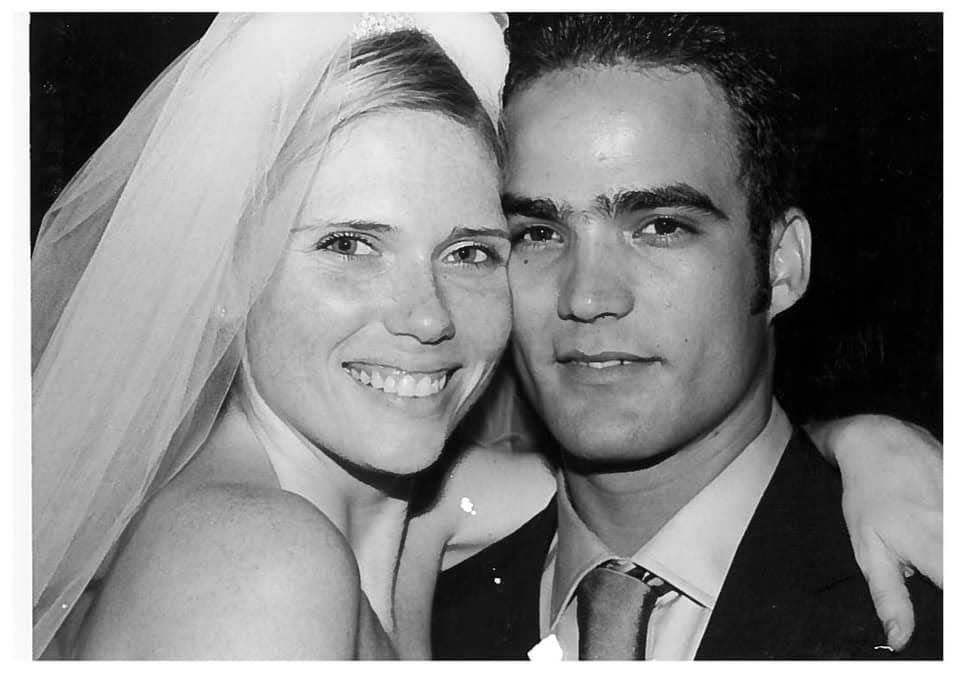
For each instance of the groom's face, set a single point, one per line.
(632, 272)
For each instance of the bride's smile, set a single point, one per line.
(397, 381)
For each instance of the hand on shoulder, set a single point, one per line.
(228, 571)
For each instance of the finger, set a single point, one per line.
(889, 592)
(923, 549)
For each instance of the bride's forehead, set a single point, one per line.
(414, 157)
(405, 136)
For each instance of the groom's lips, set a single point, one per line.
(576, 356)
(604, 366)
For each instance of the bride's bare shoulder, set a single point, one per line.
(228, 571)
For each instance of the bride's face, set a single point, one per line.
(390, 305)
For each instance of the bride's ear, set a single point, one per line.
(789, 266)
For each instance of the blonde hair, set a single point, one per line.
(402, 70)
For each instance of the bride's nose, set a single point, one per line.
(419, 309)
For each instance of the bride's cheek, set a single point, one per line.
(483, 311)
(486, 329)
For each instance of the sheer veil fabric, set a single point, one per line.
(148, 262)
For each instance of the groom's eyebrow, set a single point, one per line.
(545, 209)
(467, 232)
(623, 202)
(679, 195)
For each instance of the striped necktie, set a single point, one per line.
(614, 603)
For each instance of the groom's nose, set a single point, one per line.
(592, 287)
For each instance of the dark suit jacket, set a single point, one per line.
(793, 591)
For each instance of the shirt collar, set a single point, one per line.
(694, 549)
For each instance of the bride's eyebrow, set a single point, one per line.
(352, 225)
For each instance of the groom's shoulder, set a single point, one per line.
(819, 605)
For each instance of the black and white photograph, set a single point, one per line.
(485, 335)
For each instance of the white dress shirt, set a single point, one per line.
(692, 552)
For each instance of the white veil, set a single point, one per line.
(146, 265)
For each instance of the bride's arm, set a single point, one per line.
(893, 503)
(229, 574)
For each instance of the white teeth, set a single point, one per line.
(390, 385)
(604, 364)
(360, 376)
(407, 386)
(400, 383)
(424, 387)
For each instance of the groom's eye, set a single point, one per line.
(535, 234)
(663, 231)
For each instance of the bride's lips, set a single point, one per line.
(405, 383)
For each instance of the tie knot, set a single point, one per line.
(653, 582)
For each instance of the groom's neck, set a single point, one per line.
(626, 508)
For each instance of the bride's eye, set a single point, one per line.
(347, 245)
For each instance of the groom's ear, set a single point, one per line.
(789, 266)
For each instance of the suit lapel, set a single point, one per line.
(763, 577)
(793, 547)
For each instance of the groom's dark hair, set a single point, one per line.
(543, 43)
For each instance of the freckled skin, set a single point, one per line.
(579, 134)
(403, 299)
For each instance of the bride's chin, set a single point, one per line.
(401, 447)
(404, 436)
(388, 470)
(411, 457)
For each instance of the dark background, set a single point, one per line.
(868, 337)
